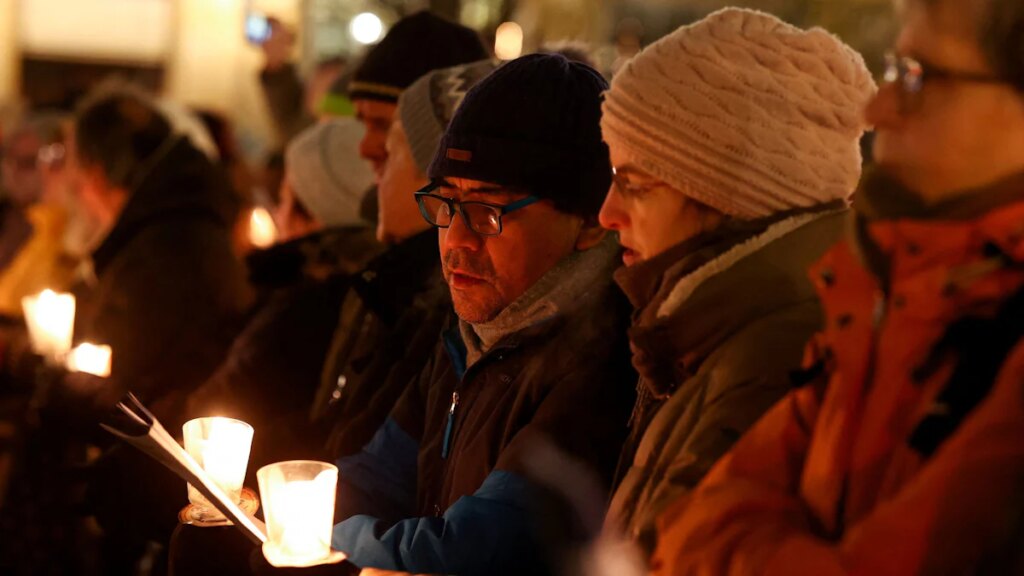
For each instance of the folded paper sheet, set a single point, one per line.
(142, 430)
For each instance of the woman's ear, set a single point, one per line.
(590, 235)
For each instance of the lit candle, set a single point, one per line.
(262, 232)
(221, 446)
(50, 317)
(91, 359)
(298, 503)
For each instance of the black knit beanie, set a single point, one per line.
(533, 124)
(414, 46)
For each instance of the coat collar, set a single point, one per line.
(392, 280)
(755, 277)
(892, 223)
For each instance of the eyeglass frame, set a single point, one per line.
(455, 207)
(628, 190)
(910, 75)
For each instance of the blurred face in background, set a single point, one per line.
(293, 221)
(21, 177)
(90, 187)
(952, 135)
(398, 216)
(376, 116)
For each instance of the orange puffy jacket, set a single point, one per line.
(830, 482)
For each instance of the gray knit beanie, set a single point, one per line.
(427, 106)
(326, 173)
(744, 113)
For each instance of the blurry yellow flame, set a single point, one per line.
(91, 359)
(262, 232)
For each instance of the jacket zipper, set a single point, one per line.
(446, 445)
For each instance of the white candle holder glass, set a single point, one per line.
(221, 446)
(298, 505)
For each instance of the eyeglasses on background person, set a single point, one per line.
(910, 74)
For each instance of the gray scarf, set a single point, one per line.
(557, 292)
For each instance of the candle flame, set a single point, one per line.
(50, 317)
(91, 359)
(262, 232)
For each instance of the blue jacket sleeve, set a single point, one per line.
(486, 533)
(380, 480)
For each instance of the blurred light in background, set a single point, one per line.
(477, 14)
(366, 28)
(508, 41)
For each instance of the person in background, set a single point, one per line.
(167, 294)
(292, 102)
(400, 302)
(538, 340)
(414, 46)
(41, 192)
(725, 192)
(903, 455)
(272, 371)
(324, 179)
(395, 309)
(20, 185)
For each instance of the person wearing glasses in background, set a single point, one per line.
(537, 353)
(905, 455)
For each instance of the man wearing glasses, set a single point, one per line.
(537, 354)
(905, 455)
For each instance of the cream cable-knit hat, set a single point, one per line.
(744, 113)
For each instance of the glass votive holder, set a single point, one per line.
(221, 447)
(298, 505)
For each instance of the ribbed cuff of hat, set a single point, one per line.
(361, 90)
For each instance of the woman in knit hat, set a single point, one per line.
(325, 180)
(734, 143)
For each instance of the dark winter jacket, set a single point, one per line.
(169, 294)
(442, 487)
(272, 371)
(387, 327)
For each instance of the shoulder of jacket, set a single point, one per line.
(767, 349)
